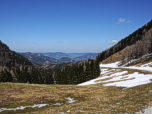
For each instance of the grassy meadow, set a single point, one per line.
(91, 99)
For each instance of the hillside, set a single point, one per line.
(133, 38)
(134, 51)
(13, 60)
(39, 58)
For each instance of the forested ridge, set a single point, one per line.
(13, 60)
(128, 41)
(138, 49)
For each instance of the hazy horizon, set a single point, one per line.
(58, 52)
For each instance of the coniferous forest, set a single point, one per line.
(78, 73)
(24, 75)
(75, 74)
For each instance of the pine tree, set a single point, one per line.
(34, 76)
(70, 73)
(40, 75)
(93, 71)
(2, 76)
(75, 78)
(9, 76)
(58, 77)
(6, 76)
(82, 78)
(88, 72)
(51, 79)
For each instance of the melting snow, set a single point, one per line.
(23, 107)
(139, 79)
(93, 80)
(147, 110)
(38, 105)
(70, 100)
(110, 65)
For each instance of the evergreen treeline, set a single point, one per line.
(6, 76)
(35, 76)
(78, 73)
(24, 75)
(75, 74)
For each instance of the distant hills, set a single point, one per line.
(39, 58)
(86, 57)
(57, 57)
(73, 56)
(44, 60)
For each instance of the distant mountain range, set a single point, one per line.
(44, 60)
(57, 57)
(73, 56)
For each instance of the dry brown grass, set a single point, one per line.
(113, 58)
(91, 98)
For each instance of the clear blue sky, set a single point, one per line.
(70, 25)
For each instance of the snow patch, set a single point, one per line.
(139, 79)
(131, 80)
(38, 105)
(99, 78)
(23, 107)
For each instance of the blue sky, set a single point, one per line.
(70, 25)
